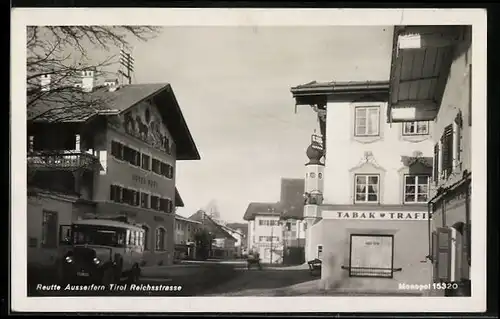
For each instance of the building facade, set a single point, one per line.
(185, 232)
(367, 188)
(115, 156)
(265, 232)
(446, 103)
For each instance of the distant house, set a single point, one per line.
(185, 231)
(265, 234)
(241, 228)
(224, 244)
(239, 236)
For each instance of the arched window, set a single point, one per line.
(160, 239)
(146, 237)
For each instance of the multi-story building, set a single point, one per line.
(185, 241)
(265, 233)
(105, 150)
(431, 81)
(367, 188)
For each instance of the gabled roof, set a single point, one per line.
(255, 209)
(70, 105)
(202, 217)
(292, 198)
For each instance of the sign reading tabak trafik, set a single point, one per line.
(371, 215)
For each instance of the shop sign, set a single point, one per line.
(375, 215)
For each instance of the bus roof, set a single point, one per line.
(107, 223)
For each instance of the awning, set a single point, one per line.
(421, 60)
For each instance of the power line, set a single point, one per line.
(126, 61)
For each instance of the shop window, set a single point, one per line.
(367, 121)
(371, 255)
(367, 188)
(416, 189)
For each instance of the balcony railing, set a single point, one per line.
(62, 160)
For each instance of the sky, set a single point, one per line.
(233, 87)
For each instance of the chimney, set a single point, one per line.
(112, 85)
(87, 81)
(45, 82)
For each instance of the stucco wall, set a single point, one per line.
(66, 213)
(409, 255)
(456, 98)
(387, 150)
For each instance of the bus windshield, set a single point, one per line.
(98, 235)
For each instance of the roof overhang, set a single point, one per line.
(172, 116)
(421, 60)
(319, 93)
(178, 199)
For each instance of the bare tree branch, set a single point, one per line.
(62, 53)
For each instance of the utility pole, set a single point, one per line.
(126, 61)
(271, 210)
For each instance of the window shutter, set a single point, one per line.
(458, 135)
(435, 249)
(436, 162)
(447, 152)
(443, 266)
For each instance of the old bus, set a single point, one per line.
(103, 250)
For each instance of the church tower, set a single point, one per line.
(313, 190)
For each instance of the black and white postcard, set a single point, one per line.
(163, 156)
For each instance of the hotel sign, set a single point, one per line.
(144, 181)
(374, 215)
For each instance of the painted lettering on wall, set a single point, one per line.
(367, 215)
(144, 181)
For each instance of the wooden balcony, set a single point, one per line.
(62, 160)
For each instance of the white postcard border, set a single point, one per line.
(22, 17)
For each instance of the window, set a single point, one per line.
(320, 175)
(416, 189)
(117, 150)
(156, 166)
(160, 239)
(132, 238)
(132, 156)
(146, 162)
(416, 128)
(155, 202)
(49, 229)
(371, 256)
(367, 188)
(320, 252)
(144, 200)
(130, 197)
(146, 237)
(367, 121)
(115, 193)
